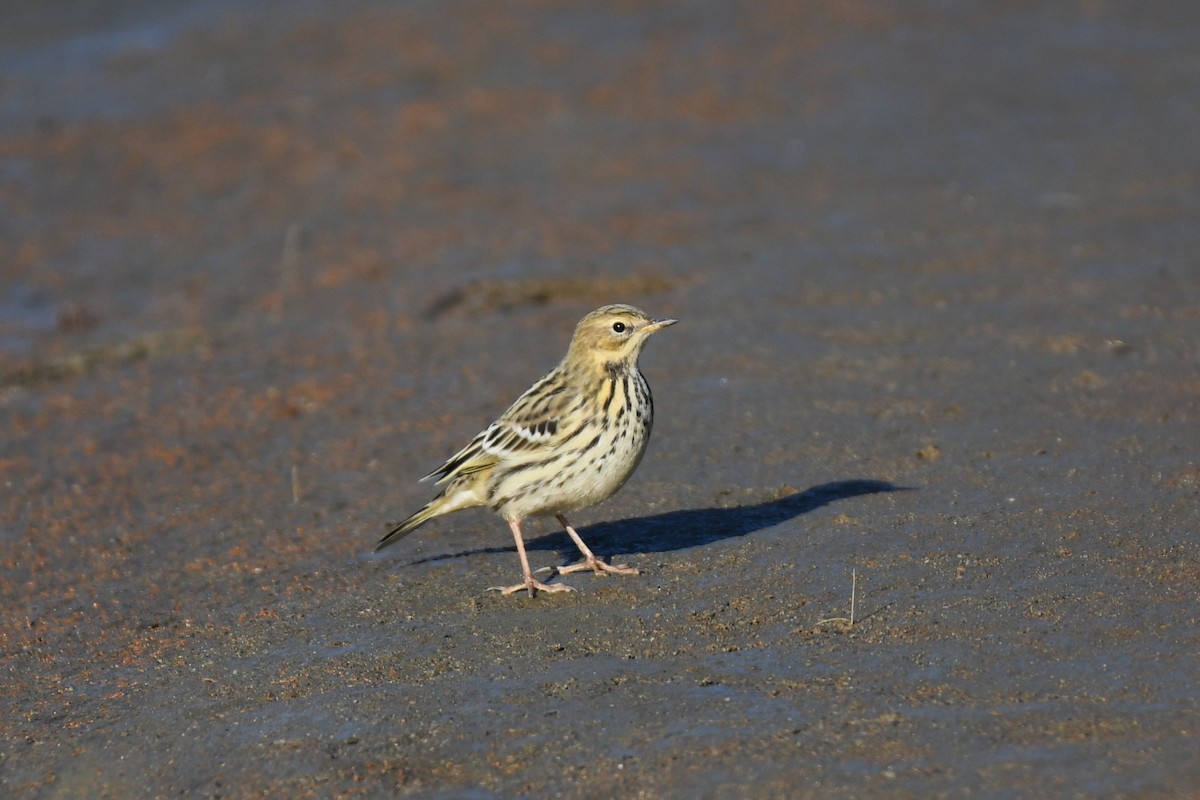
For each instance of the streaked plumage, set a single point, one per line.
(570, 441)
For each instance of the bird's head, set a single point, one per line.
(614, 334)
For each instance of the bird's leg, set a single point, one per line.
(530, 583)
(589, 558)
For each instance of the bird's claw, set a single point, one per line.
(534, 586)
(595, 565)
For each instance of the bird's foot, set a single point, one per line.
(595, 565)
(534, 586)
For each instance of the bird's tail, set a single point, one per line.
(427, 512)
(452, 499)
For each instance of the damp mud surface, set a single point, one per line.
(919, 517)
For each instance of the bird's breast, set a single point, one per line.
(605, 448)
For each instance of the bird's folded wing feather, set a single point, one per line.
(532, 424)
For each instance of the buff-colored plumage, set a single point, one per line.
(569, 442)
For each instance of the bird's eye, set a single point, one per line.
(619, 327)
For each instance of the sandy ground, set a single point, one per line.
(265, 264)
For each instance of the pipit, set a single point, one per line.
(569, 442)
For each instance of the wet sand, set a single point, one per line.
(266, 264)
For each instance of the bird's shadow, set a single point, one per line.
(676, 530)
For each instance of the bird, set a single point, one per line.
(569, 442)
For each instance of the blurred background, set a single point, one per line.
(263, 264)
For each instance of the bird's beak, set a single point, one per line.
(657, 325)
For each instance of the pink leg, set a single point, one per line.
(589, 558)
(530, 582)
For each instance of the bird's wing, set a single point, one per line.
(532, 424)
